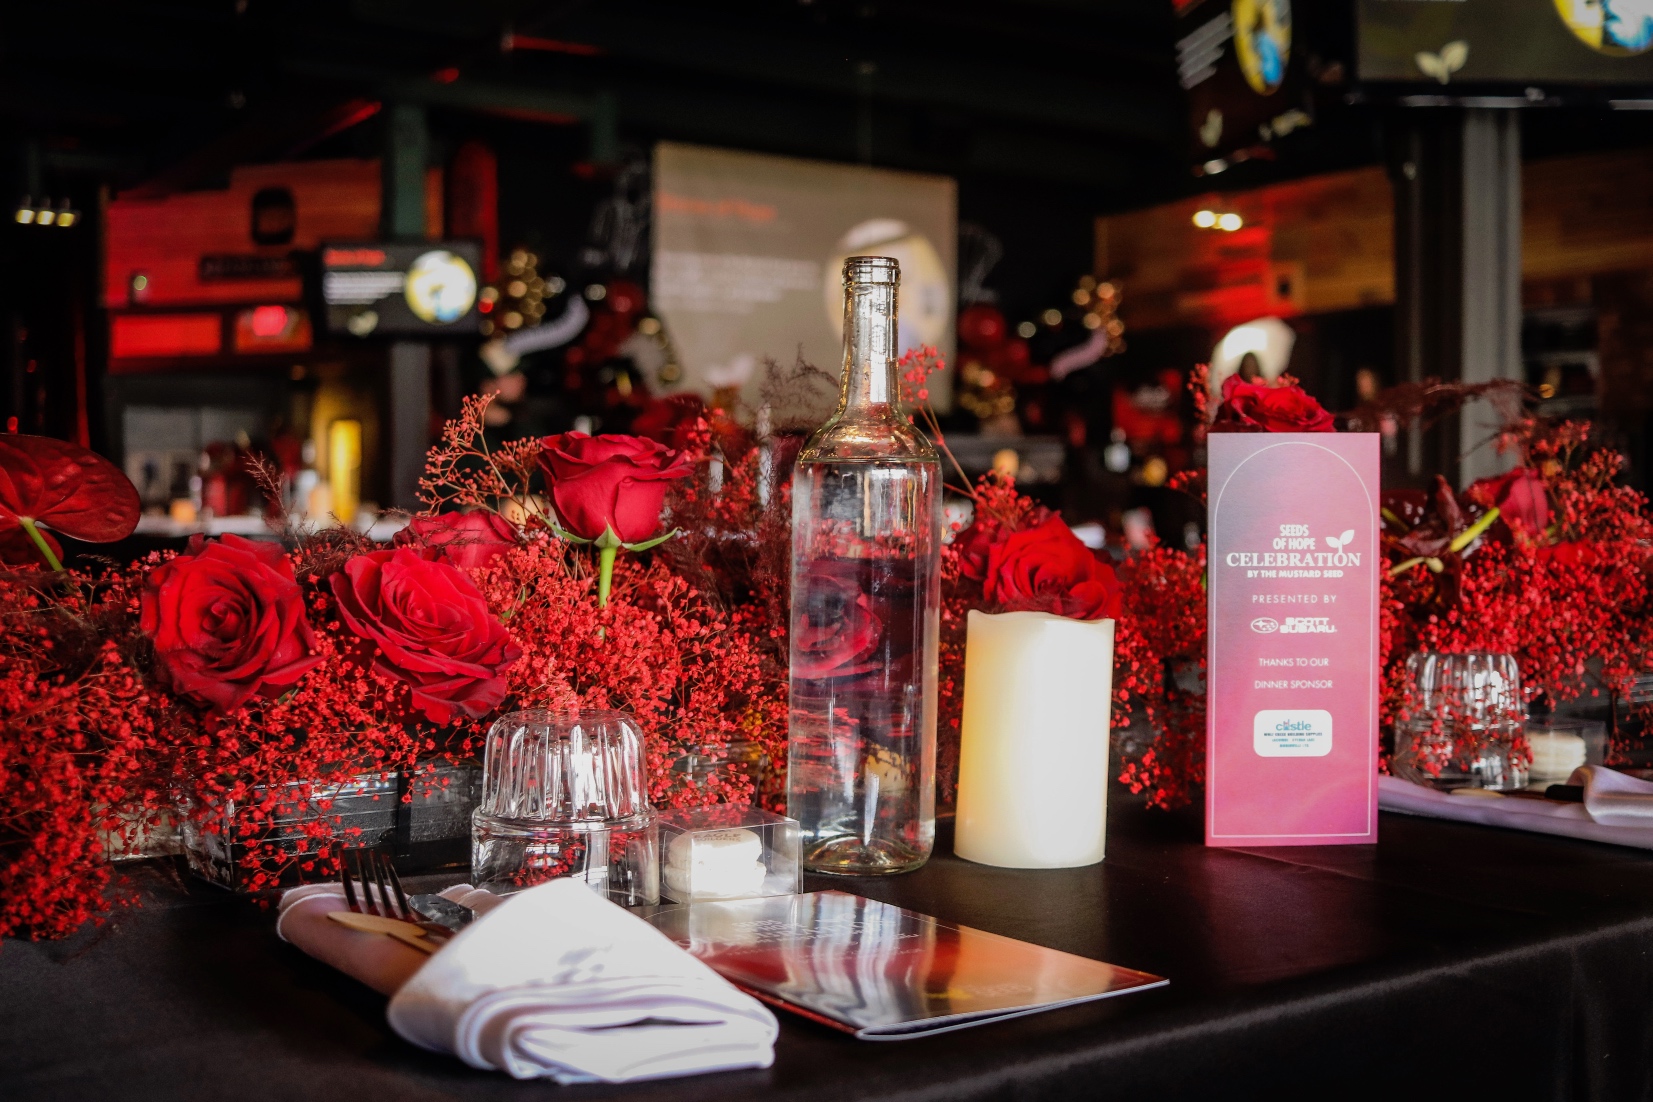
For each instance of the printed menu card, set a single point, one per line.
(1292, 677)
(882, 972)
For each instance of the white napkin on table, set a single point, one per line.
(559, 982)
(1616, 808)
(554, 982)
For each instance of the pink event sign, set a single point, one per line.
(1292, 704)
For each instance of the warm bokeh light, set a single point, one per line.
(1205, 219)
(344, 467)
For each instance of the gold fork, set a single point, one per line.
(387, 914)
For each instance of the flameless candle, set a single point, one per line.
(1033, 764)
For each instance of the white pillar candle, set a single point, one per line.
(1033, 764)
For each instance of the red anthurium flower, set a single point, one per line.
(17, 547)
(54, 484)
(1520, 497)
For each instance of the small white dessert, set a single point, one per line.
(1555, 754)
(715, 864)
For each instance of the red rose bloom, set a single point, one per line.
(468, 540)
(1046, 569)
(227, 619)
(973, 544)
(839, 632)
(433, 629)
(1258, 407)
(669, 420)
(1520, 498)
(603, 482)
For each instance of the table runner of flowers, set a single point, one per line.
(649, 573)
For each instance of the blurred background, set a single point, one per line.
(308, 231)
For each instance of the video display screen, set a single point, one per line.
(1241, 67)
(400, 290)
(1443, 43)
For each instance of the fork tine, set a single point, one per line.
(349, 885)
(396, 886)
(386, 907)
(371, 905)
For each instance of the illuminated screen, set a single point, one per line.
(749, 251)
(1442, 43)
(374, 289)
(1241, 66)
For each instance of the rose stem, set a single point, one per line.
(605, 574)
(46, 548)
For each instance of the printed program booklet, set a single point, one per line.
(882, 972)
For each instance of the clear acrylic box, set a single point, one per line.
(727, 852)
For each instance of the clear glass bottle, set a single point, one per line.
(866, 597)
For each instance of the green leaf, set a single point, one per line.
(655, 542)
(561, 534)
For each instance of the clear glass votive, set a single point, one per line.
(1465, 721)
(565, 794)
(728, 852)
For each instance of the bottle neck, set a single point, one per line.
(869, 378)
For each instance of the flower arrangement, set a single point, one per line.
(1551, 562)
(238, 681)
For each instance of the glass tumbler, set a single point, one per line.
(1465, 721)
(565, 794)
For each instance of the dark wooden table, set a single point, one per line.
(1447, 961)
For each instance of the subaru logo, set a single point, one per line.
(1263, 625)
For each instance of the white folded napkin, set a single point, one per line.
(559, 982)
(1616, 808)
(554, 982)
(1614, 799)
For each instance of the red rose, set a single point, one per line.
(228, 623)
(468, 540)
(1046, 569)
(432, 627)
(603, 482)
(839, 633)
(973, 544)
(1258, 407)
(1519, 497)
(670, 420)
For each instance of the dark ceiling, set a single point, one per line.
(166, 94)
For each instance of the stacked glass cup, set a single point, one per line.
(1464, 722)
(564, 794)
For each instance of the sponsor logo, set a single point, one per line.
(1265, 625)
(1308, 625)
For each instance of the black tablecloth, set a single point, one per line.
(1447, 961)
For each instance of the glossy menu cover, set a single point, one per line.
(1292, 673)
(882, 972)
